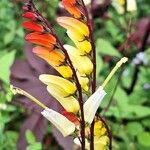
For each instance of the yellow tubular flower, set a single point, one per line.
(65, 71)
(121, 2)
(69, 103)
(99, 130)
(101, 143)
(62, 83)
(82, 63)
(83, 81)
(83, 45)
(75, 36)
(65, 126)
(73, 25)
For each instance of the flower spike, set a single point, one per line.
(77, 67)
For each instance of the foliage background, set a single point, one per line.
(128, 114)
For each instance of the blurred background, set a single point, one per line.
(121, 28)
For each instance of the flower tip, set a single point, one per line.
(29, 15)
(13, 90)
(124, 59)
(38, 50)
(42, 77)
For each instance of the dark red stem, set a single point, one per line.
(89, 23)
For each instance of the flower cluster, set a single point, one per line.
(74, 64)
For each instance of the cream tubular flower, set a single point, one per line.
(62, 90)
(65, 126)
(131, 5)
(92, 104)
(87, 2)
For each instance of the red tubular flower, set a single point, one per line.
(46, 40)
(32, 26)
(71, 7)
(72, 117)
(30, 15)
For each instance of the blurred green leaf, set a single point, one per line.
(144, 139)
(8, 38)
(134, 128)
(35, 146)
(30, 137)
(104, 47)
(5, 64)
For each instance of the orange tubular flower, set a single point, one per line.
(55, 59)
(71, 7)
(46, 40)
(32, 26)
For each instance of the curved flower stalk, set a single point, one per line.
(77, 67)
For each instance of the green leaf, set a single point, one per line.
(112, 28)
(8, 38)
(35, 146)
(144, 139)
(137, 111)
(99, 65)
(5, 64)
(146, 122)
(134, 128)
(12, 136)
(30, 137)
(104, 47)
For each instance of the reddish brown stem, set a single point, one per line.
(94, 68)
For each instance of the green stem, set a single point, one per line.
(118, 65)
(17, 90)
